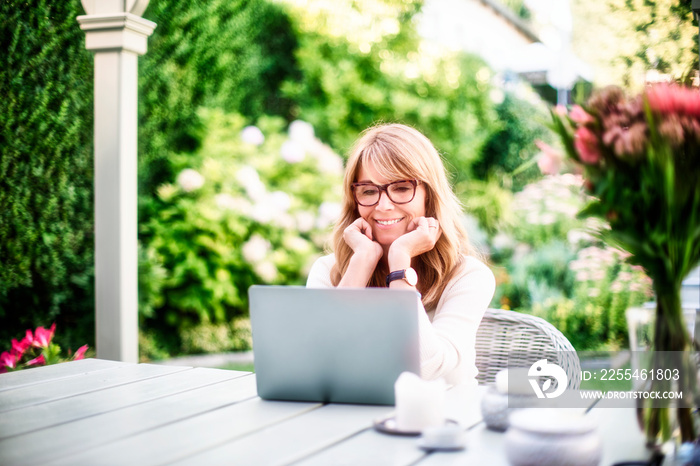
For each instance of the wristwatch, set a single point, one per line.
(408, 274)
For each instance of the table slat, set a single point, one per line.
(45, 374)
(44, 415)
(295, 438)
(71, 386)
(82, 435)
(371, 447)
(181, 439)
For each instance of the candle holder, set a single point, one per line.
(390, 426)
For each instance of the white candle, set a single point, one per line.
(419, 403)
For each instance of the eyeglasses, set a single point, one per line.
(399, 192)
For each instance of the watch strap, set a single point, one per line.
(396, 275)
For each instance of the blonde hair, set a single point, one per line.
(400, 152)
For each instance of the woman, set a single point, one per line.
(401, 227)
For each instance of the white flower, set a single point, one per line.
(625, 276)
(634, 287)
(533, 218)
(271, 207)
(301, 132)
(263, 211)
(227, 202)
(266, 270)
(252, 135)
(298, 244)
(256, 249)
(329, 212)
(305, 221)
(328, 161)
(248, 177)
(574, 237)
(284, 220)
(497, 96)
(547, 218)
(281, 200)
(502, 241)
(292, 151)
(190, 180)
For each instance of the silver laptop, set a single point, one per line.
(332, 345)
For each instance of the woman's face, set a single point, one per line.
(388, 220)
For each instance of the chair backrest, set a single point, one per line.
(505, 336)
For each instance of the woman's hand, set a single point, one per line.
(423, 233)
(358, 235)
(366, 254)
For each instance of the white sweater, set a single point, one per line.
(447, 335)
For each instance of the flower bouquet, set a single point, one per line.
(641, 165)
(35, 349)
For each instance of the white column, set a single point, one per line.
(117, 36)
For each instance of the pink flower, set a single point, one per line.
(80, 353)
(580, 116)
(28, 338)
(19, 347)
(671, 129)
(667, 99)
(42, 337)
(550, 159)
(38, 361)
(627, 141)
(586, 144)
(8, 360)
(692, 104)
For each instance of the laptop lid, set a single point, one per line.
(332, 345)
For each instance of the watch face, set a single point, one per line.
(411, 276)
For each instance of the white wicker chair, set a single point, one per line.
(508, 338)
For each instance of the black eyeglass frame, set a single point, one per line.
(385, 188)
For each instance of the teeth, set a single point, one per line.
(388, 222)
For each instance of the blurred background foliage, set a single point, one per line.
(46, 218)
(246, 109)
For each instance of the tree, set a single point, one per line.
(625, 39)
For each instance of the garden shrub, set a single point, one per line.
(508, 150)
(556, 269)
(253, 205)
(46, 120)
(230, 54)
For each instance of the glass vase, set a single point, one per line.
(671, 349)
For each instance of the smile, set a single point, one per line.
(389, 222)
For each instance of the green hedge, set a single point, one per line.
(230, 54)
(239, 213)
(46, 234)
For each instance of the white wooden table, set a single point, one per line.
(97, 412)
